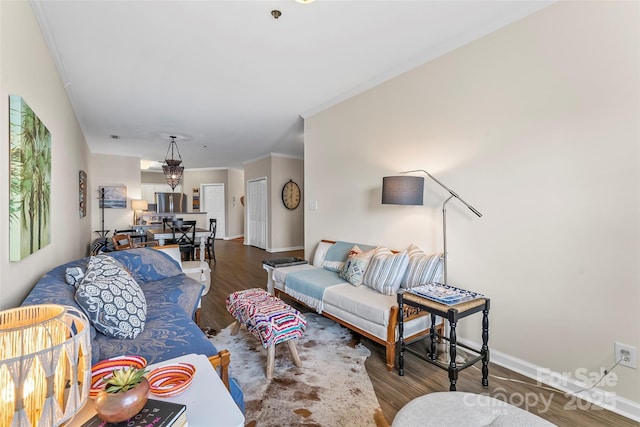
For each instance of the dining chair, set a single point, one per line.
(211, 250)
(184, 235)
(136, 235)
(166, 222)
(123, 241)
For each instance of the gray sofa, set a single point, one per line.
(172, 299)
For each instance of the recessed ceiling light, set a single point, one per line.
(305, 1)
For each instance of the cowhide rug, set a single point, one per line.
(331, 389)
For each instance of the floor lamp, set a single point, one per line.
(409, 190)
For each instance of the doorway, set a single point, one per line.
(257, 213)
(213, 203)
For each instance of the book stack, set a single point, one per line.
(284, 262)
(155, 413)
(444, 294)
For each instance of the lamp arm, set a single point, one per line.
(453, 193)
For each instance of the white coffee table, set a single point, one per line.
(208, 401)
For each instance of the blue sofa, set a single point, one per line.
(172, 299)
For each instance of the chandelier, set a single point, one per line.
(172, 170)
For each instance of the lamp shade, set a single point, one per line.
(139, 205)
(45, 365)
(402, 190)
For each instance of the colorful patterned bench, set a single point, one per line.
(268, 318)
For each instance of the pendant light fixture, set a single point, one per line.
(173, 171)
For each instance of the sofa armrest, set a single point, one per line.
(222, 360)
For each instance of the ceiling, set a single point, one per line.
(228, 79)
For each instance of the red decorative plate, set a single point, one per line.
(104, 368)
(171, 380)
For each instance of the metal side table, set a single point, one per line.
(452, 313)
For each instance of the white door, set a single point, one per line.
(257, 213)
(212, 202)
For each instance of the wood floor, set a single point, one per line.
(240, 267)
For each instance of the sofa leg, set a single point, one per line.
(391, 355)
(197, 316)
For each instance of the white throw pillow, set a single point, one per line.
(386, 271)
(321, 252)
(172, 250)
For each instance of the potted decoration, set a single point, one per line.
(124, 395)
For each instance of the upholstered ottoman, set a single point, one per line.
(270, 319)
(454, 408)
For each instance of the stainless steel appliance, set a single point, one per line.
(171, 202)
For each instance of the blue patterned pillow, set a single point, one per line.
(73, 276)
(147, 264)
(111, 299)
(356, 265)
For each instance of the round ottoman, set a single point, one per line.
(453, 408)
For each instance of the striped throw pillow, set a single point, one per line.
(423, 268)
(386, 270)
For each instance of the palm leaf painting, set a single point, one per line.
(30, 181)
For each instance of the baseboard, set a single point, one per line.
(604, 399)
(292, 248)
(239, 236)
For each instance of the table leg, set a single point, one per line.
(453, 369)
(271, 357)
(401, 334)
(485, 346)
(294, 353)
(432, 335)
(202, 261)
(270, 284)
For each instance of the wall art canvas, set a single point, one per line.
(115, 196)
(30, 181)
(82, 194)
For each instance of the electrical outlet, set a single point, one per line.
(626, 354)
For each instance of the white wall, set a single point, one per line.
(113, 170)
(287, 226)
(235, 209)
(536, 125)
(234, 188)
(26, 69)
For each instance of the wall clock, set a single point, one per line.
(291, 195)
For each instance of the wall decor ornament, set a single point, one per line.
(83, 194)
(30, 181)
(115, 196)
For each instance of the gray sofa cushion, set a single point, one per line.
(147, 264)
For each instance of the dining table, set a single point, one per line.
(161, 235)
